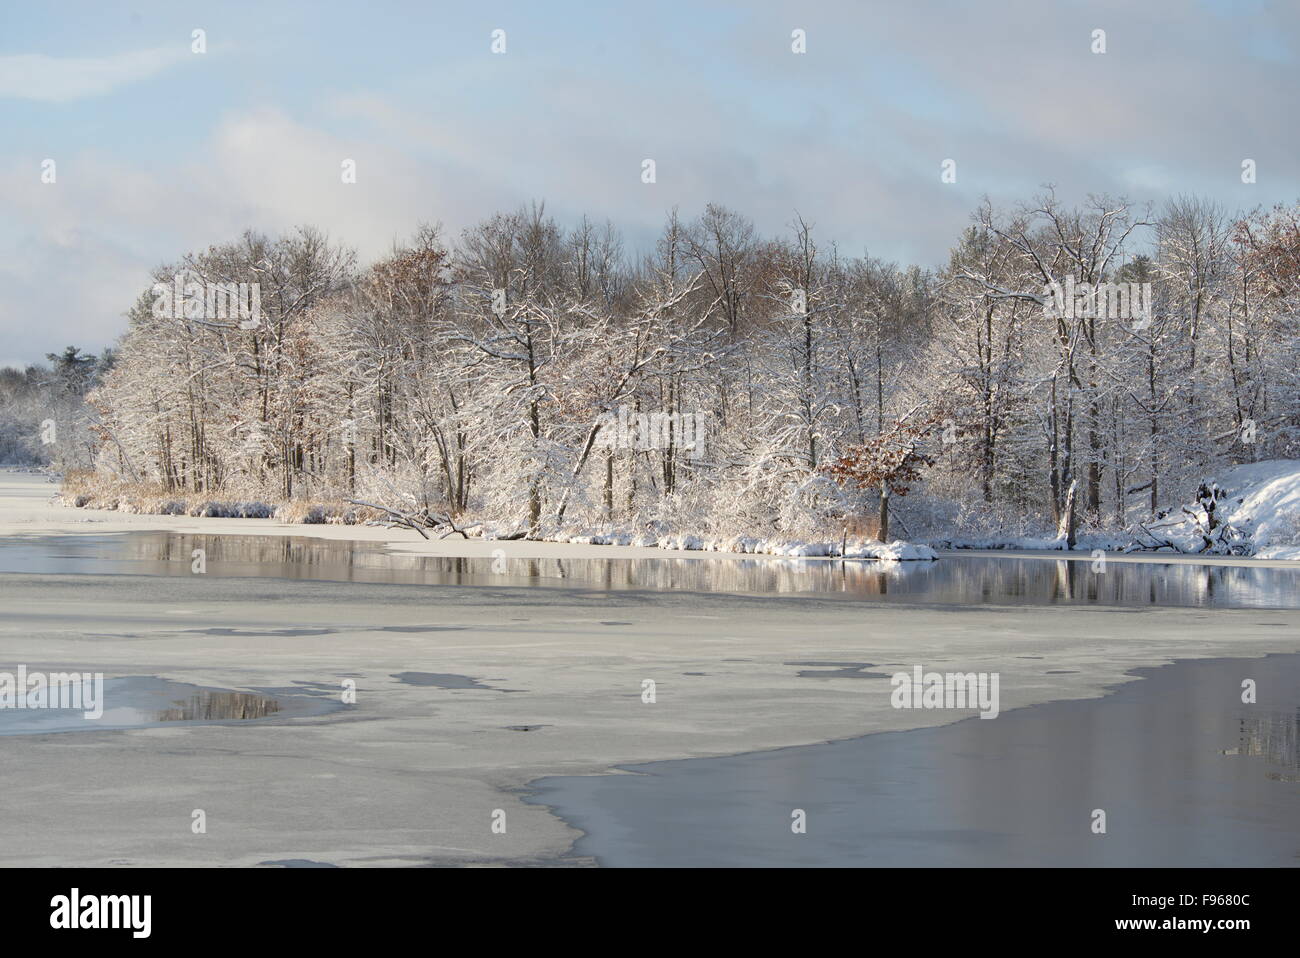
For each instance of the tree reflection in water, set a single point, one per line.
(220, 705)
(959, 579)
(1274, 737)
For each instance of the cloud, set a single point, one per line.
(850, 135)
(266, 170)
(74, 255)
(34, 76)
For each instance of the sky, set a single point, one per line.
(159, 150)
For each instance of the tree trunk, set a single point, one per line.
(1069, 518)
(609, 486)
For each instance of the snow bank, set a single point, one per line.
(1270, 504)
(1086, 542)
(900, 551)
(655, 537)
(1260, 499)
(896, 551)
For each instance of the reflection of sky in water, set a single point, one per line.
(145, 701)
(1187, 775)
(951, 580)
(47, 698)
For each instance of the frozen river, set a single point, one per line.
(957, 579)
(481, 697)
(1185, 773)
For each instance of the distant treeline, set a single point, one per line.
(43, 417)
(472, 376)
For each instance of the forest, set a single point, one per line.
(39, 401)
(480, 378)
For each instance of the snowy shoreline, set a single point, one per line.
(1275, 494)
(29, 506)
